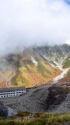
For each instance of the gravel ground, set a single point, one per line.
(35, 101)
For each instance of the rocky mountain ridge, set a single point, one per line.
(34, 66)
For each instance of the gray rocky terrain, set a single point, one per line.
(41, 99)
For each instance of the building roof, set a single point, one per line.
(12, 89)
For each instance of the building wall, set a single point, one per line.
(11, 94)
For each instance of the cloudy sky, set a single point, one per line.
(33, 22)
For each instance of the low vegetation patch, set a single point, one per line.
(38, 119)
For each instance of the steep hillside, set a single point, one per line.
(66, 62)
(27, 71)
(65, 81)
(34, 66)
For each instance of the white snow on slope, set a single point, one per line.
(55, 80)
(34, 61)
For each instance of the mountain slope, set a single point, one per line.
(34, 66)
(66, 62)
(32, 71)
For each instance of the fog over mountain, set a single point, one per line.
(33, 22)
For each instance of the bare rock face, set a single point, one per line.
(56, 96)
(6, 111)
(11, 112)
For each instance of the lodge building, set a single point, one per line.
(12, 92)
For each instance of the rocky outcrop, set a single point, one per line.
(6, 111)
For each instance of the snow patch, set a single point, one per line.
(34, 61)
(60, 76)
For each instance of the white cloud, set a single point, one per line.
(67, 42)
(26, 22)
